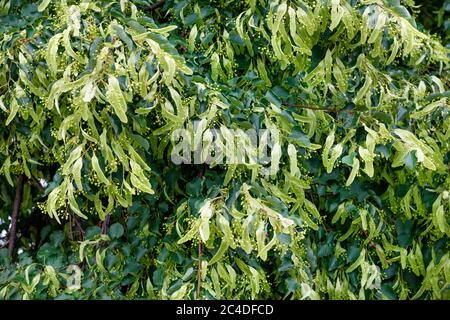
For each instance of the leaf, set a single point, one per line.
(116, 231)
(12, 112)
(411, 160)
(141, 183)
(192, 38)
(43, 5)
(6, 169)
(353, 173)
(348, 159)
(358, 261)
(338, 214)
(429, 108)
(263, 72)
(68, 47)
(88, 91)
(191, 233)
(335, 154)
(51, 203)
(74, 155)
(364, 89)
(99, 257)
(115, 97)
(220, 252)
(440, 218)
(98, 170)
(326, 148)
(124, 37)
(404, 232)
(52, 52)
(337, 12)
(73, 203)
(163, 30)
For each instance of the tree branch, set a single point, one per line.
(154, 6)
(37, 184)
(199, 273)
(80, 228)
(305, 106)
(15, 214)
(374, 245)
(105, 224)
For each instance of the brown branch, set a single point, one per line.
(15, 214)
(70, 227)
(199, 273)
(80, 229)
(105, 224)
(374, 245)
(38, 184)
(306, 106)
(155, 6)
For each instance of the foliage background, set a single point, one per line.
(91, 90)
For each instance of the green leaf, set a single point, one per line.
(141, 183)
(358, 261)
(43, 5)
(52, 53)
(411, 160)
(6, 169)
(120, 32)
(98, 170)
(73, 203)
(116, 231)
(115, 97)
(220, 252)
(348, 159)
(12, 112)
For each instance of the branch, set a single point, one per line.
(80, 228)
(38, 184)
(306, 106)
(15, 214)
(374, 245)
(105, 224)
(70, 227)
(155, 6)
(199, 273)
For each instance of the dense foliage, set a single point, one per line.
(357, 205)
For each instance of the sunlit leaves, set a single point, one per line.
(356, 179)
(116, 99)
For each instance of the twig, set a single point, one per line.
(70, 227)
(374, 245)
(80, 229)
(306, 106)
(155, 6)
(38, 184)
(15, 214)
(199, 273)
(105, 224)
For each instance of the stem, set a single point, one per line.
(80, 229)
(374, 245)
(15, 214)
(70, 227)
(304, 106)
(155, 6)
(38, 184)
(199, 273)
(105, 224)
